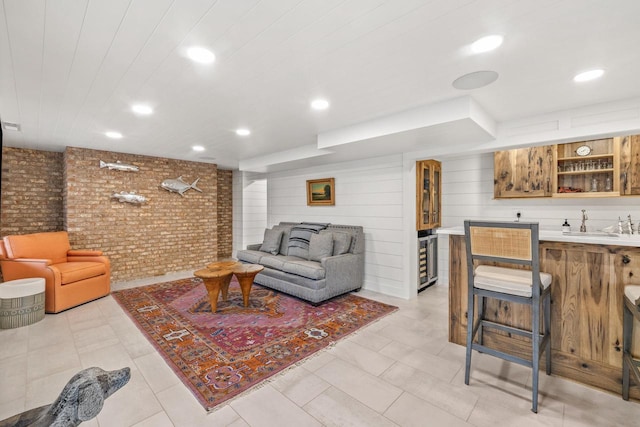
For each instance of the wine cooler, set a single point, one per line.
(427, 261)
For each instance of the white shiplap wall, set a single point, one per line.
(249, 209)
(467, 193)
(368, 193)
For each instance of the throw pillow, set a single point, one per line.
(341, 243)
(271, 242)
(320, 246)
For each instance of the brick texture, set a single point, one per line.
(168, 233)
(225, 213)
(31, 191)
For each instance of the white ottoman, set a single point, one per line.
(21, 302)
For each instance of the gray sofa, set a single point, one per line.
(309, 273)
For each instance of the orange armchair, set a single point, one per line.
(72, 277)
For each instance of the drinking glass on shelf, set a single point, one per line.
(607, 184)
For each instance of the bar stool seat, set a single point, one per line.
(630, 366)
(508, 280)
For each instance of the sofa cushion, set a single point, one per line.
(284, 242)
(341, 243)
(309, 269)
(320, 246)
(49, 245)
(271, 241)
(276, 261)
(75, 271)
(300, 236)
(250, 256)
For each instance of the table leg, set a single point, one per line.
(245, 286)
(213, 289)
(224, 286)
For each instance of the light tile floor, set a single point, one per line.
(399, 371)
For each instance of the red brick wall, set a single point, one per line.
(31, 191)
(169, 233)
(225, 213)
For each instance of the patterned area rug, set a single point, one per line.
(219, 356)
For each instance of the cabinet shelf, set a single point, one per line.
(587, 194)
(592, 157)
(586, 172)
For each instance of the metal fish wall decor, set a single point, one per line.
(119, 166)
(132, 197)
(179, 186)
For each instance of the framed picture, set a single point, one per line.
(321, 192)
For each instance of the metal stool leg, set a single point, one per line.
(535, 356)
(470, 327)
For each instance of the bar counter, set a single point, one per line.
(589, 274)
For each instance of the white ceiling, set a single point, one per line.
(70, 69)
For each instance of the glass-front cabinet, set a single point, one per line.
(428, 194)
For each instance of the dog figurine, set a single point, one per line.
(81, 400)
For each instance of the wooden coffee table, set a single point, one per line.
(223, 264)
(245, 273)
(214, 281)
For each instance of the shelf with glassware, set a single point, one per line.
(587, 169)
(428, 194)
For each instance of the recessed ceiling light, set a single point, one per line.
(198, 148)
(486, 44)
(11, 126)
(320, 104)
(475, 80)
(142, 109)
(201, 55)
(588, 75)
(113, 134)
(243, 132)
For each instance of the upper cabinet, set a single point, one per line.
(630, 165)
(588, 168)
(607, 167)
(428, 194)
(525, 172)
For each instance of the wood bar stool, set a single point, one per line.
(508, 243)
(630, 366)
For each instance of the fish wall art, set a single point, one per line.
(119, 166)
(179, 186)
(132, 197)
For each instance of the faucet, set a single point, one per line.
(583, 226)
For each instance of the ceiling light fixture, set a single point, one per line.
(486, 44)
(113, 135)
(475, 80)
(243, 132)
(588, 75)
(198, 148)
(142, 109)
(320, 104)
(201, 55)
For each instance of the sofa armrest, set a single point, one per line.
(83, 252)
(254, 247)
(21, 268)
(35, 261)
(84, 258)
(344, 271)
